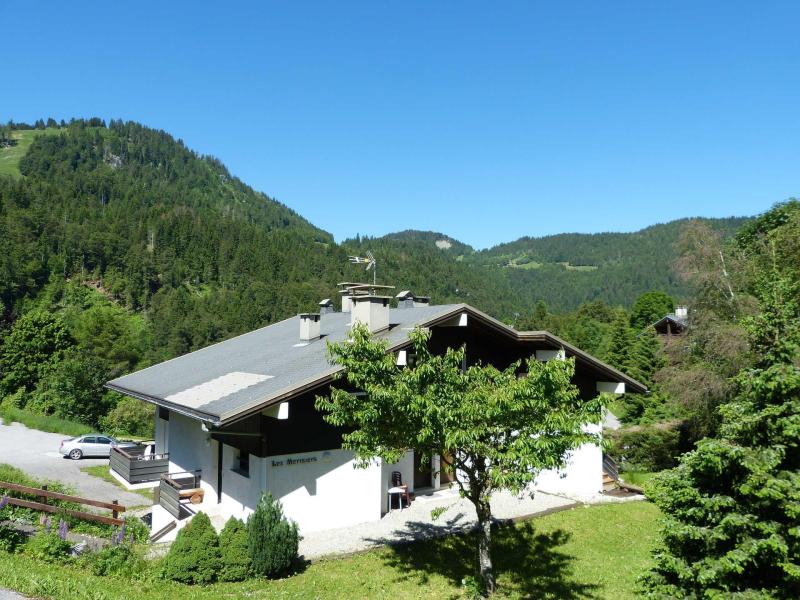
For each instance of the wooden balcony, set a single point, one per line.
(135, 467)
(176, 490)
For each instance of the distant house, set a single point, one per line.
(673, 324)
(237, 418)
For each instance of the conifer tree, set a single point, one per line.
(622, 339)
(732, 506)
(646, 357)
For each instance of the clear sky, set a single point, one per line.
(483, 120)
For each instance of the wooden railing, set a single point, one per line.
(610, 466)
(174, 489)
(134, 466)
(45, 494)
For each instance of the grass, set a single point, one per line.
(594, 552)
(101, 471)
(637, 477)
(10, 414)
(10, 157)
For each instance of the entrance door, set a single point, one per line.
(445, 474)
(422, 473)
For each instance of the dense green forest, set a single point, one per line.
(120, 247)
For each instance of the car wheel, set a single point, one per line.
(75, 454)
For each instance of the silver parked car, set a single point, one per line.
(91, 444)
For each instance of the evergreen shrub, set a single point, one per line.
(272, 540)
(194, 557)
(236, 564)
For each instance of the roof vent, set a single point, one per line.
(309, 326)
(681, 312)
(405, 299)
(326, 306)
(422, 301)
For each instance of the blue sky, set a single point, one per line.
(486, 121)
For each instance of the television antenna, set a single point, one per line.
(371, 263)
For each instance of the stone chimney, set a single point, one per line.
(309, 326)
(326, 306)
(372, 310)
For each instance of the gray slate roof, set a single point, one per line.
(247, 373)
(273, 351)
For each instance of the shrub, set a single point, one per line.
(129, 416)
(194, 557)
(646, 448)
(272, 540)
(11, 539)
(48, 546)
(236, 564)
(122, 560)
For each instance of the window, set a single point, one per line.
(89, 440)
(103, 440)
(241, 463)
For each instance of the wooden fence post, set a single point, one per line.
(43, 497)
(113, 512)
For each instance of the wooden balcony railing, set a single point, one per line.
(137, 467)
(175, 490)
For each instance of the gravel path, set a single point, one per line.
(36, 453)
(10, 595)
(416, 522)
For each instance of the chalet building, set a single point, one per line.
(237, 418)
(673, 324)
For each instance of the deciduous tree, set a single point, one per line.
(497, 429)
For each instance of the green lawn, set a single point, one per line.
(594, 552)
(637, 477)
(101, 471)
(9, 157)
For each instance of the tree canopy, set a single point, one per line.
(497, 429)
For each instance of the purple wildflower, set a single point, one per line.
(48, 523)
(42, 519)
(3, 501)
(62, 529)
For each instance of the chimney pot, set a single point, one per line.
(371, 310)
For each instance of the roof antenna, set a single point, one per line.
(370, 262)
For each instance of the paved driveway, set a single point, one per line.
(36, 453)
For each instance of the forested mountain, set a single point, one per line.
(172, 235)
(569, 269)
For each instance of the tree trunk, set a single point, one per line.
(484, 545)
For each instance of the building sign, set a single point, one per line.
(292, 461)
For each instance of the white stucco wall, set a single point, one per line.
(582, 477)
(191, 448)
(327, 491)
(240, 494)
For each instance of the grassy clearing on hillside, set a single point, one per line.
(9, 157)
(10, 414)
(594, 552)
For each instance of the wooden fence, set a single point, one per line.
(45, 494)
